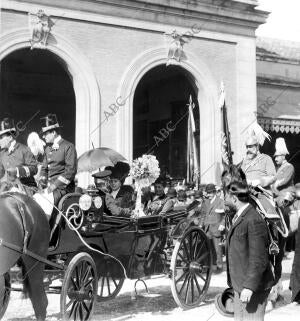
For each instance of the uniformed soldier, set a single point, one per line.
(60, 162)
(17, 163)
(258, 167)
(285, 173)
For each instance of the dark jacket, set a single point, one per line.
(212, 215)
(248, 264)
(21, 158)
(295, 275)
(121, 205)
(60, 166)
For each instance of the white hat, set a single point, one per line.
(256, 135)
(280, 147)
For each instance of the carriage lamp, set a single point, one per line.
(85, 202)
(98, 202)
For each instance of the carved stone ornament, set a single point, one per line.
(40, 26)
(175, 52)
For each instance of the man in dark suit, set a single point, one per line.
(212, 218)
(17, 163)
(60, 162)
(248, 266)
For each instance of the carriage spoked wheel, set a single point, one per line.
(191, 268)
(79, 289)
(110, 284)
(4, 293)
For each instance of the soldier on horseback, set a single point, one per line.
(17, 163)
(258, 167)
(284, 180)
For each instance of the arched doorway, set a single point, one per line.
(161, 102)
(33, 84)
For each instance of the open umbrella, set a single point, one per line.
(98, 157)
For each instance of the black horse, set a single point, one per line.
(24, 225)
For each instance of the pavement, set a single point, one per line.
(159, 304)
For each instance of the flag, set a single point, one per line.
(192, 150)
(225, 134)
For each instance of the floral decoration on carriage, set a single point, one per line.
(144, 170)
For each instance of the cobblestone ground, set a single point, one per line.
(159, 305)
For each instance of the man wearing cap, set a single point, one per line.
(17, 163)
(60, 162)
(248, 267)
(213, 220)
(284, 179)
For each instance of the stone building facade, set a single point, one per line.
(86, 59)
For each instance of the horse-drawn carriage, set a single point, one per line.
(93, 253)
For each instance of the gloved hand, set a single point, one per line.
(51, 188)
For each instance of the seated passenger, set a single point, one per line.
(119, 201)
(160, 203)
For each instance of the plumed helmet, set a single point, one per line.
(280, 147)
(256, 135)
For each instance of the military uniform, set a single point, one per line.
(259, 167)
(60, 167)
(285, 178)
(20, 157)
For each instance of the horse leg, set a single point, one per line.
(33, 284)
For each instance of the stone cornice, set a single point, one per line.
(275, 58)
(236, 17)
(277, 81)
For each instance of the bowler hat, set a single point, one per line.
(7, 126)
(49, 122)
(210, 188)
(224, 302)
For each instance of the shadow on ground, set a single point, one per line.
(159, 302)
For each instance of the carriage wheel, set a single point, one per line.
(79, 289)
(109, 287)
(4, 293)
(191, 267)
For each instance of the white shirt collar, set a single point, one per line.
(12, 146)
(114, 193)
(55, 142)
(240, 211)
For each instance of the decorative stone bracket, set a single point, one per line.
(40, 26)
(175, 51)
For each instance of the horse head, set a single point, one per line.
(232, 173)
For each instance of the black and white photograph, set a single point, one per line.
(149, 160)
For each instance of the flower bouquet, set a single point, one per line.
(144, 170)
